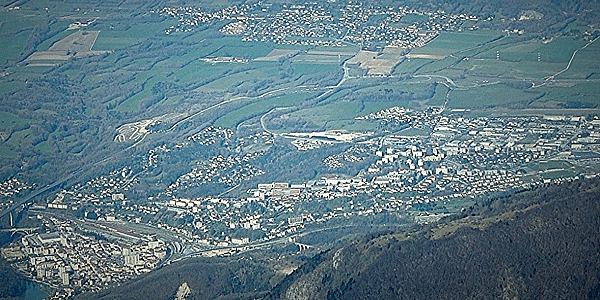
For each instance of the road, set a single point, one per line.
(266, 94)
(35, 194)
(261, 244)
(549, 78)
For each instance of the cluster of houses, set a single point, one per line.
(313, 24)
(104, 190)
(227, 170)
(68, 259)
(455, 158)
(11, 188)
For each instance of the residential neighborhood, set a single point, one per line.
(452, 160)
(76, 260)
(312, 24)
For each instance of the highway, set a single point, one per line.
(35, 194)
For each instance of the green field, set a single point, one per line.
(233, 47)
(309, 68)
(342, 114)
(132, 103)
(412, 18)
(558, 50)
(254, 109)
(10, 86)
(11, 47)
(439, 98)
(8, 120)
(61, 33)
(341, 110)
(488, 97)
(414, 132)
(249, 77)
(198, 70)
(411, 65)
(16, 26)
(558, 174)
(577, 96)
(585, 63)
(45, 148)
(551, 165)
(437, 65)
(500, 68)
(21, 139)
(452, 42)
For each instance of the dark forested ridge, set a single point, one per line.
(542, 244)
(206, 278)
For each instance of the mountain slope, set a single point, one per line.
(542, 244)
(207, 279)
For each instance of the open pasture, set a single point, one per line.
(233, 47)
(324, 56)
(115, 38)
(16, 25)
(585, 64)
(447, 43)
(409, 66)
(337, 112)
(489, 96)
(501, 68)
(277, 54)
(342, 114)
(79, 41)
(254, 109)
(77, 44)
(558, 50)
(314, 68)
(581, 95)
(10, 121)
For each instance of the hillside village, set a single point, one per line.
(460, 159)
(312, 24)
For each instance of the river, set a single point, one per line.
(36, 291)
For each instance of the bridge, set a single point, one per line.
(25, 230)
(22, 204)
(303, 247)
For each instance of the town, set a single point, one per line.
(420, 176)
(312, 24)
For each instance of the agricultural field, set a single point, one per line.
(277, 54)
(585, 64)
(205, 102)
(448, 43)
(77, 44)
(411, 65)
(378, 64)
(339, 115)
(489, 96)
(261, 107)
(580, 95)
(324, 56)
